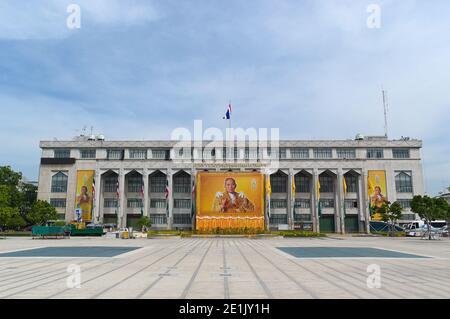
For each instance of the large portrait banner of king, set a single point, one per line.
(229, 200)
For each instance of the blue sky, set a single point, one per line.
(139, 69)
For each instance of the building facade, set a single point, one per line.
(156, 179)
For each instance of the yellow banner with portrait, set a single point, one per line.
(83, 199)
(376, 191)
(229, 200)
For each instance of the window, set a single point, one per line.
(59, 183)
(302, 203)
(299, 153)
(87, 154)
(158, 218)
(302, 183)
(158, 203)
(111, 183)
(110, 203)
(403, 182)
(351, 203)
(302, 217)
(322, 153)
(182, 203)
(251, 153)
(158, 183)
(134, 203)
(278, 218)
(135, 184)
(58, 202)
(352, 183)
(400, 152)
(182, 218)
(375, 153)
(138, 154)
(278, 203)
(159, 154)
(236, 153)
(408, 217)
(115, 154)
(283, 154)
(61, 153)
(404, 203)
(326, 184)
(346, 153)
(182, 183)
(327, 203)
(278, 182)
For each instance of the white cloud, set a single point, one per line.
(46, 19)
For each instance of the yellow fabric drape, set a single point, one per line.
(227, 223)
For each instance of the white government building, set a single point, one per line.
(150, 165)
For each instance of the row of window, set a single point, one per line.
(154, 203)
(296, 153)
(278, 181)
(306, 203)
(113, 154)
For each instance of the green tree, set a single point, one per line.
(9, 177)
(429, 209)
(390, 213)
(17, 195)
(5, 197)
(144, 222)
(10, 218)
(41, 213)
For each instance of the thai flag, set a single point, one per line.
(167, 190)
(228, 113)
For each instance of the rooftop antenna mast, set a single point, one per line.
(385, 108)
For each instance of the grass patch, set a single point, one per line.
(298, 233)
(13, 233)
(163, 233)
(249, 232)
(386, 234)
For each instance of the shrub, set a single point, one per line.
(299, 233)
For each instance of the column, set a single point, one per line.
(364, 198)
(290, 206)
(122, 211)
(314, 201)
(340, 202)
(170, 199)
(98, 183)
(145, 199)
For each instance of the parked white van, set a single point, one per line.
(419, 228)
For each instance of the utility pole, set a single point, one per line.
(385, 108)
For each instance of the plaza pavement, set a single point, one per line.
(226, 268)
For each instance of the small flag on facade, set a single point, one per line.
(142, 199)
(345, 185)
(319, 208)
(193, 199)
(167, 190)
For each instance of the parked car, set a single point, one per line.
(418, 228)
